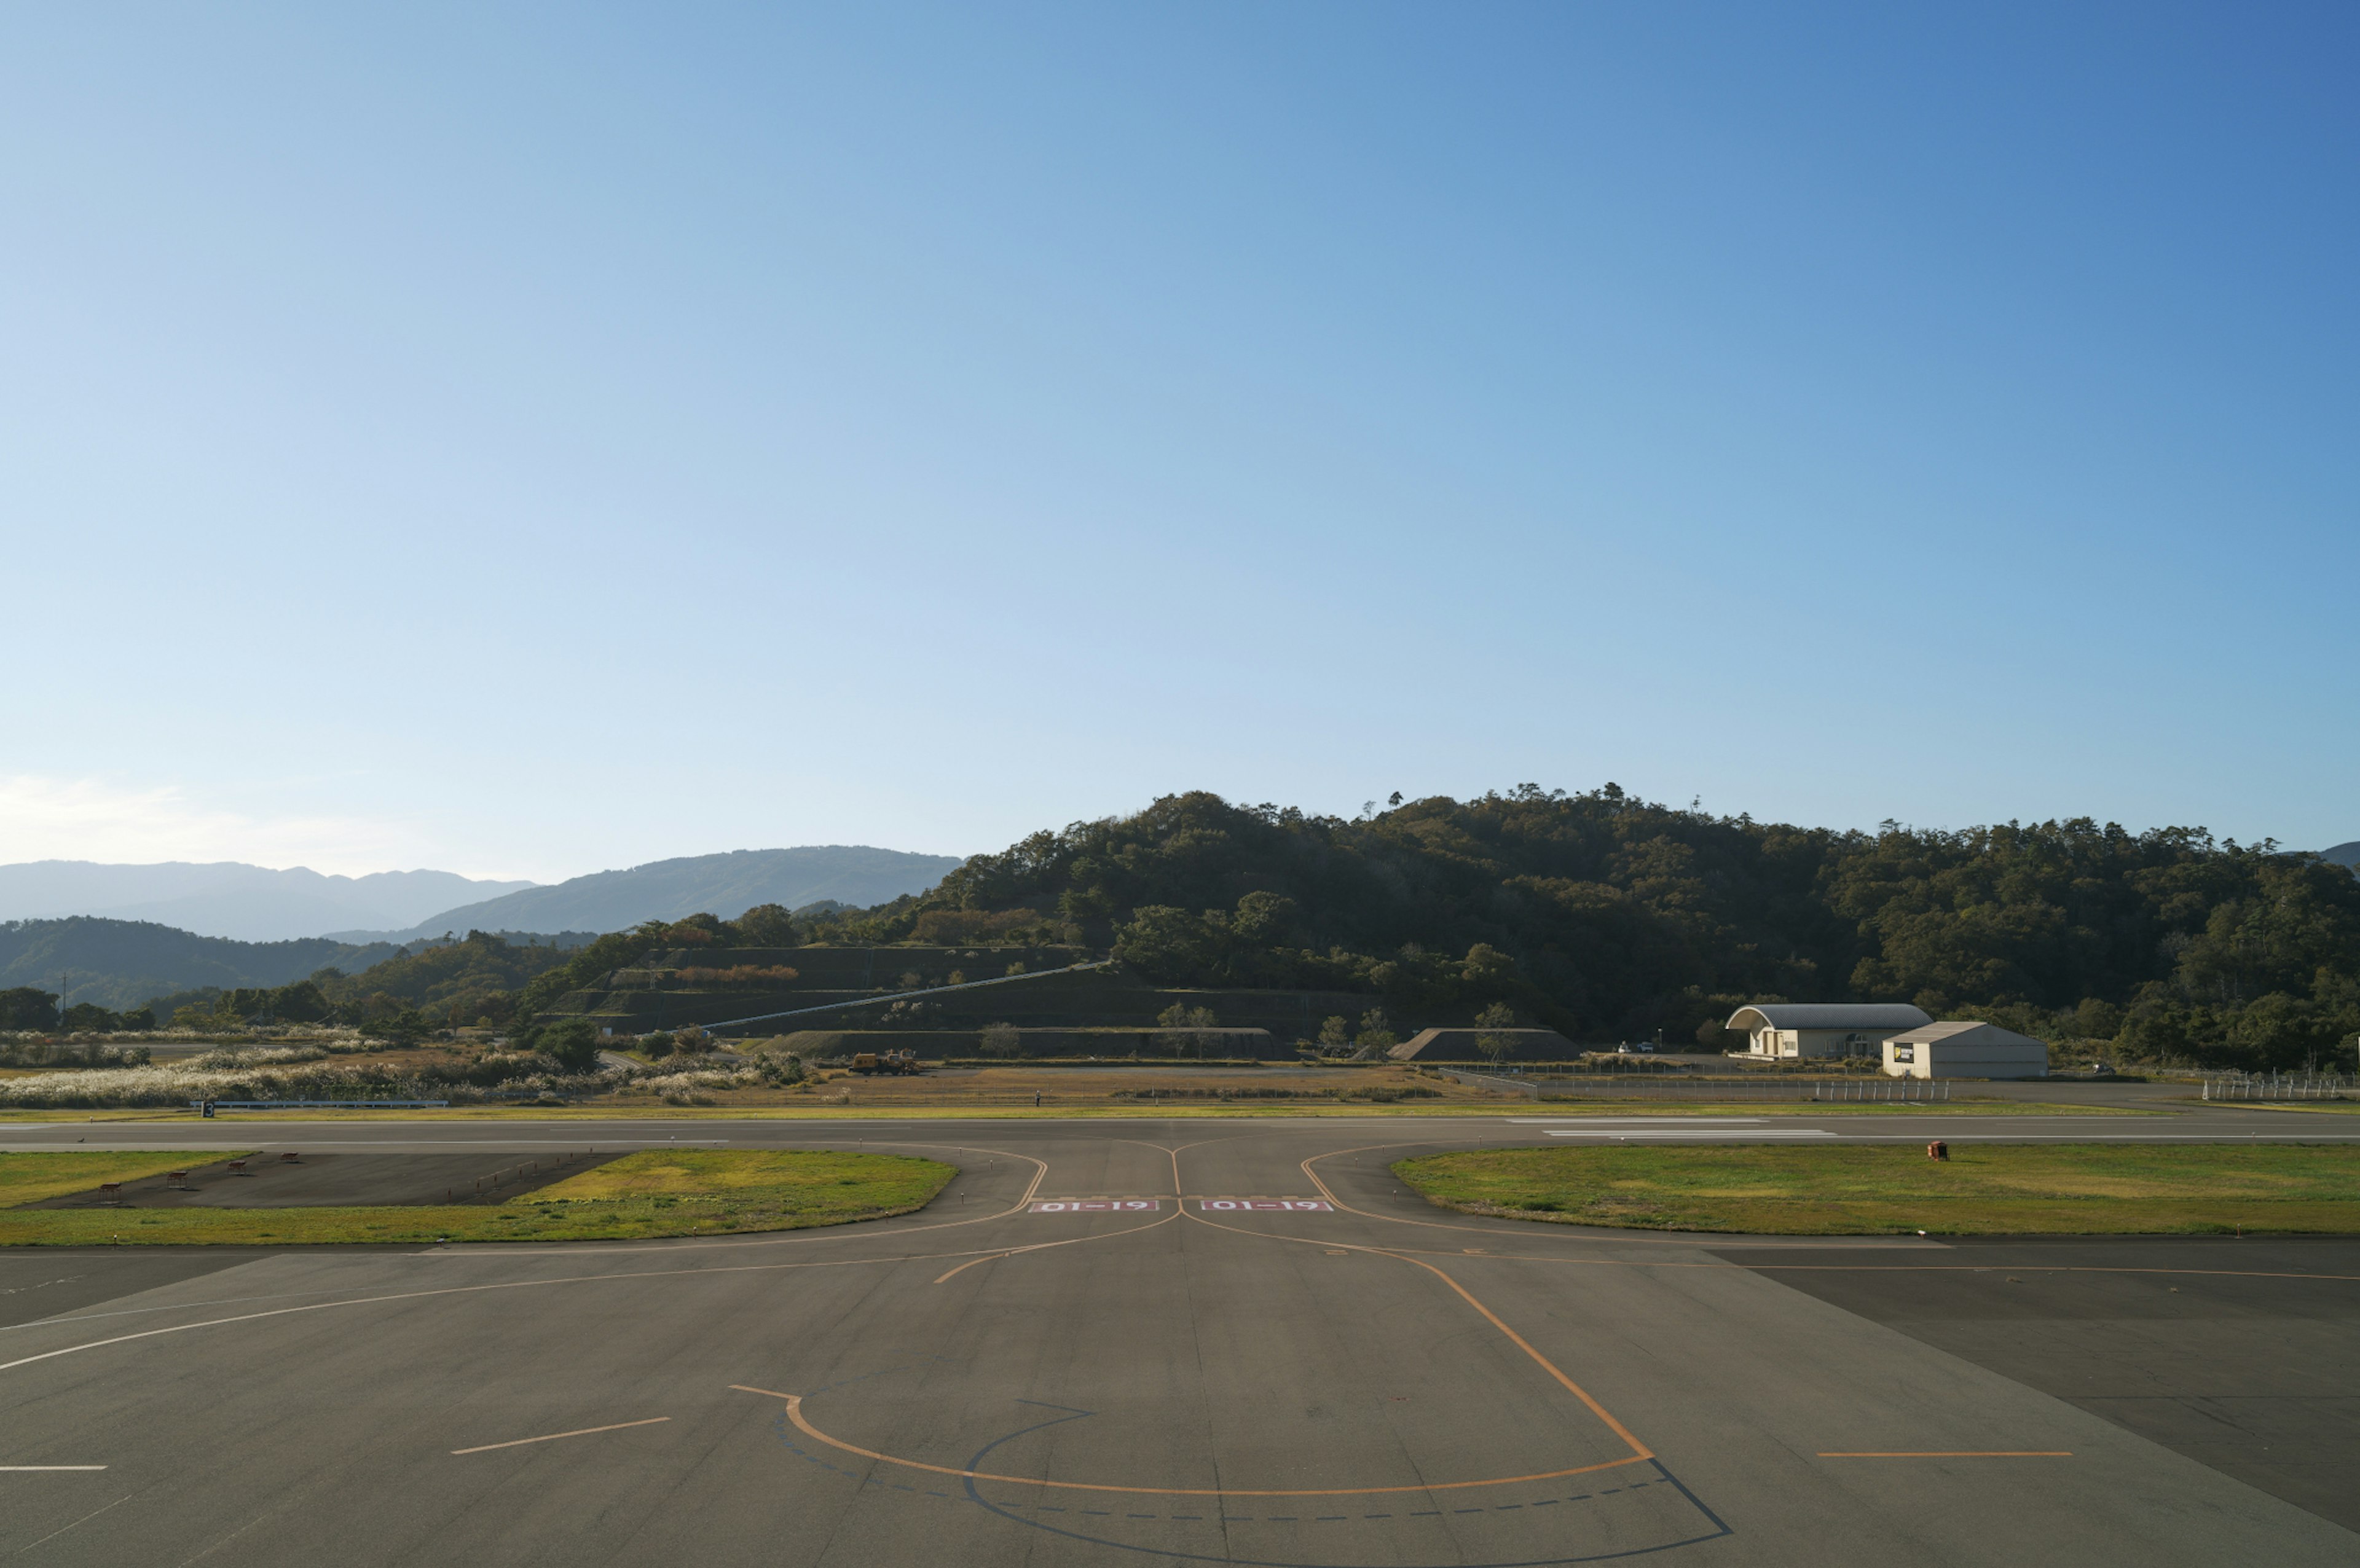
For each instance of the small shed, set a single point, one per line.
(1800, 1029)
(1965, 1050)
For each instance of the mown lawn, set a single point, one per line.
(1982, 1190)
(654, 1193)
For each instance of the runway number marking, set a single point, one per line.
(1263, 1207)
(1097, 1207)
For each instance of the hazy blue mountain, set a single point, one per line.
(2344, 854)
(226, 899)
(121, 964)
(725, 884)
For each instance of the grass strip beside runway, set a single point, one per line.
(31, 1176)
(1982, 1190)
(658, 1192)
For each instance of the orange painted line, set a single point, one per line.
(552, 1437)
(987, 1257)
(795, 1414)
(1638, 1450)
(1964, 1454)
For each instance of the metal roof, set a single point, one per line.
(1934, 1034)
(1827, 1016)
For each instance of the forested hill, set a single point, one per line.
(1612, 916)
(121, 964)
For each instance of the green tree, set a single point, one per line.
(1376, 1036)
(1001, 1041)
(1192, 1026)
(1491, 1038)
(574, 1042)
(1335, 1036)
(27, 1007)
(766, 925)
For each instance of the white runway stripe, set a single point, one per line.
(1691, 1135)
(1637, 1121)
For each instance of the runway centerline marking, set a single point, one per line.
(20, 1469)
(552, 1437)
(802, 1425)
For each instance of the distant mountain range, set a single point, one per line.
(123, 963)
(725, 884)
(2344, 854)
(244, 903)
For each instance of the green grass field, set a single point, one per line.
(1982, 1190)
(658, 1192)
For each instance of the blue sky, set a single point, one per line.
(528, 440)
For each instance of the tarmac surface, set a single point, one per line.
(1221, 1341)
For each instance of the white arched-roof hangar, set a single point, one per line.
(1804, 1029)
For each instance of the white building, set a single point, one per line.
(1822, 1028)
(1965, 1050)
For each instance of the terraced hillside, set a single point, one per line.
(895, 988)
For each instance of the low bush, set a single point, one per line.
(43, 1052)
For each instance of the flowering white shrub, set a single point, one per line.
(685, 1082)
(236, 1056)
(180, 1085)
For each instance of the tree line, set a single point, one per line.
(1599, 914)
(1608, 917)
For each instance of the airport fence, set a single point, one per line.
(2279, 1085)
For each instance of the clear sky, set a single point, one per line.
(528, 439)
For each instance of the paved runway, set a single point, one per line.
(1220, 1342)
